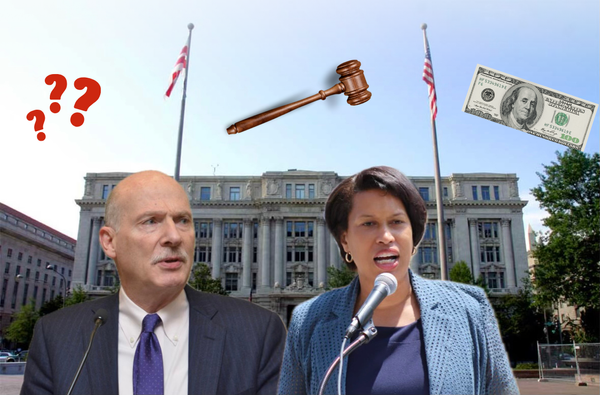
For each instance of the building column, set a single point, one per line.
(217, 247)
(474, 248)
(247, 255)
(321, 279)
(278, 269)
(93, 257)
(334, 253)
(265, 269)
(82, 249)
(507, 250)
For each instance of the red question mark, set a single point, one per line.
(90, 96)
(59, 89)
(39, 122)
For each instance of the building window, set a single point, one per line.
(105, 191)
(288, 191)
(13, 302)
(45, 278)
(9, 253)
(53, 281)
(7, 268)
(445, 192)
(231, 281)
(234, 193)
(430, 231)
(424, 192)
(37, 276)
(69, 272)
(428, 254)
(27, 274)
(255, 230)
(485, 192)
(51, 294)
(490, 253)
(474, 188)
(205, 230)
(203, 254)
(491, 280)
(232, 230)
(488, 230)
(4, 287)
(20, 256)
(29, 259)
(62, 271)
(35, 292)
(496, 192)
(311, 227)
(18, 270)
(310, 253)
(204, 193)
(300, 191)
(300, 229)
(25, 290)
(289, 226)
(39, 263)
(311, 191)
(289, 253)
(288, 278)
(43, 295)
(255, 255)
(299, 254)
(232, 254)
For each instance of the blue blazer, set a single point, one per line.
(463, 347)
(235, 347)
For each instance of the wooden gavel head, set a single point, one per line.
(355, 84)
(352, 83)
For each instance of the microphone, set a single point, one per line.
(385, 285)
(99, 319)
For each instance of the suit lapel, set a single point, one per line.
(206, 343)
(437, 332)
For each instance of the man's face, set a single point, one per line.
(524, 105)
(153, 246)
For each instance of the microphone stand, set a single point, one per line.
(99, 321)
(368, 332)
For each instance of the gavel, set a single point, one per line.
(352, 83)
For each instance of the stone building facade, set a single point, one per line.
(27, 249)
(267, 233)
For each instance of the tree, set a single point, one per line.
(568, 255)
(77, 296)
(202, 280)
(460, 273)
(21, 329)
(51, 305)
(521, 323)
(337, 278)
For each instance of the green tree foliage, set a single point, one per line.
(568, 268)
(460, 273)
(202, 280)
(338, 278)
(51, 305)
(521, 323)
(21, 329)
(78, 295)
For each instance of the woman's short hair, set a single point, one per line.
(384, 178)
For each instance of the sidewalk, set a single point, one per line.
(533, 387)
(11, 385)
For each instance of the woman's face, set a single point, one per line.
(379, 235)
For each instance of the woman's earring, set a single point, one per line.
(348, 257)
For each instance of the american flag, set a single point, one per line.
(179, 65)
(428, 78)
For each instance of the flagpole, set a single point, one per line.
(438, 185)
(182, 115)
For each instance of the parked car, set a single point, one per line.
(22, 356)
(6, 356)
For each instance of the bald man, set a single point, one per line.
(209, 344)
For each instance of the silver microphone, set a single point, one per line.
(385, 285)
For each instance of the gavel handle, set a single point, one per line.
(259, 119)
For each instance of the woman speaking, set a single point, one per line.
(434, 337)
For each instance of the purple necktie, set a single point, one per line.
(148, 364)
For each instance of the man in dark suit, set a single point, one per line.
(208, 344)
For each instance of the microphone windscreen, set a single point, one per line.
(389, 280)
(101, 315)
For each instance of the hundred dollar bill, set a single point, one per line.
(530, 107)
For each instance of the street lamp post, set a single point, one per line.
(50, 267)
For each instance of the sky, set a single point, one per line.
(250, 56)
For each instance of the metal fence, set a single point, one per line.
(576, 362)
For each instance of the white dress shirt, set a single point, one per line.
(173, 337)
